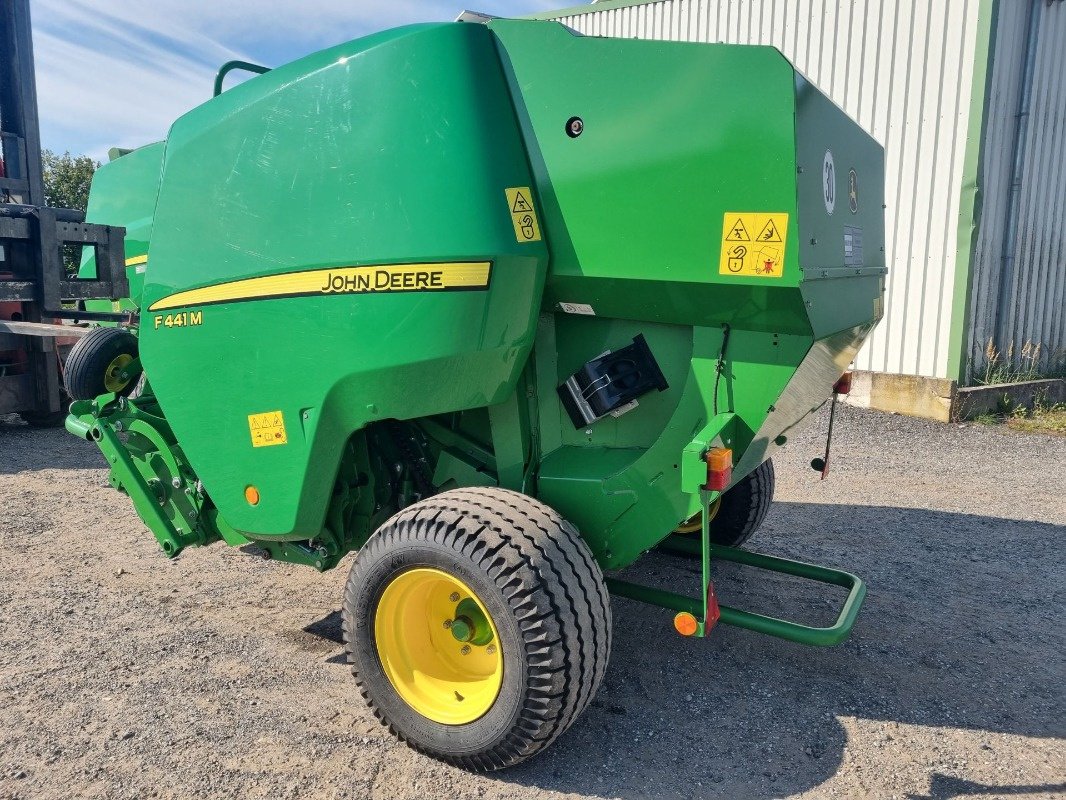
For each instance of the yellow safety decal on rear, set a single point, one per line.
(267, 429)
(523, 215)
(431, 277)
(753, 244)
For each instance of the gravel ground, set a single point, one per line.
(124, 675)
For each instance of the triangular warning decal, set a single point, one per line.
(521, 205)
(769, 233)
(737, 232)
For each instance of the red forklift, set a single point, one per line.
(39, 300)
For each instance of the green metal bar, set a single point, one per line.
(230, 66)
(130, 480)
(705, 557)
(761, 623)
(655, 597)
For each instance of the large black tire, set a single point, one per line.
(543, 592)
(744, 507)
(94, 357)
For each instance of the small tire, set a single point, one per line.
(541, 591)
(95, 361)
(46, 419)
(744, 507)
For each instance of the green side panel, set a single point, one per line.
(842, 253)
(392, 149)
(123, 193)
(634, 207)
(676, 138)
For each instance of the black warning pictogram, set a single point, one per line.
(737, 232)
(769, 233)
(736, 258)
(521, 205)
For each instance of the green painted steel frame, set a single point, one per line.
(760, 623)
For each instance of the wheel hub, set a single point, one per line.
(438, 646)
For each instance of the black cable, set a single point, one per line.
(721, 363)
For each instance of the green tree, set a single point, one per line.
(66, 185)
(67, 179)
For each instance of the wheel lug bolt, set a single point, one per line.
(491, 649)
(454, 597)
(465, 649)
(447, 624)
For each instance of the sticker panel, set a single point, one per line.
(523, 215)
(267, 429)
(753, 244)
(578, 308)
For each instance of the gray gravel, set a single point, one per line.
(124, 675)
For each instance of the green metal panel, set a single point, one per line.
(393, 149)
(399, 149)
(634, 209)
(124, 193)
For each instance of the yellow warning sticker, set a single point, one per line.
(753, 244)
(523, 215)
(267, 429)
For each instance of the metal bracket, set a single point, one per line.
(703, 607)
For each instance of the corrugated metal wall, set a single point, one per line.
(903, 69)
(1035, 294)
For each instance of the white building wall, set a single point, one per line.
(903, 69)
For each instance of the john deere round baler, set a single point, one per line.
(497, 308)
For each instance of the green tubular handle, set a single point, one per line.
(230, 66)
(761, 623)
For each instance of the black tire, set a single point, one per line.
(544, 593)
(744, 507)
(89, 361)
(46, 419)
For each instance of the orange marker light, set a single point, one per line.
(719, 468)
(251, 494)
(685, 623)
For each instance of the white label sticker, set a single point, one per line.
(829, 183)
(577, 308)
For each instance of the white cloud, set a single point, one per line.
(115, 72)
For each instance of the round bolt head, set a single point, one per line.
(447, 624)
(491, 649)
(454, 597)
(176, 483)
(465, 649)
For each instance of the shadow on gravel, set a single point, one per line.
(944, 787)
(26, 449)
(959, 630)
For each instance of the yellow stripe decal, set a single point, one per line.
(133, 261)
(432, 277)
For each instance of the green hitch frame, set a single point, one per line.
(760, 623)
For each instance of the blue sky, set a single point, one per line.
(118, 72)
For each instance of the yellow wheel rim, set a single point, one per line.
(438, 646)
(693, 524)
(113, 380)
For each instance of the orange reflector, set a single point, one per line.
(251, 494)
(843, 386)
(685, 623)
(719, 468)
